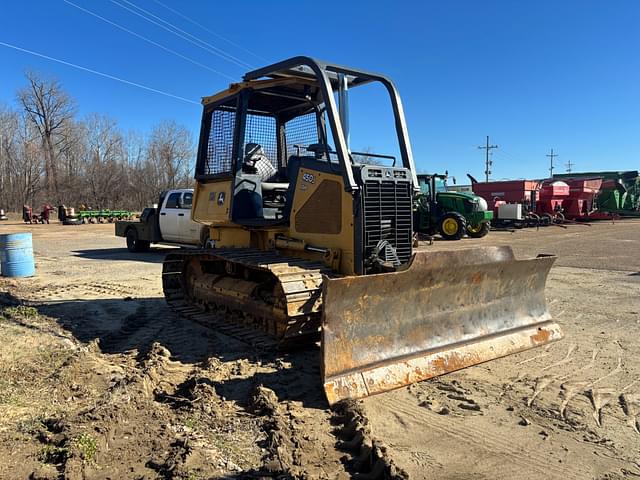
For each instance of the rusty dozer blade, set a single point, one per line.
(444, 312)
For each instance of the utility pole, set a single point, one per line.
(569, 165)
(487, 162)
(551, 156)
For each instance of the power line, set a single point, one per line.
(514, 156)
(551, 156)
(488, 163)
(106, 75)
(167, 49)
(189, 19)
(219, 50)
(214, 50)
(504, 155)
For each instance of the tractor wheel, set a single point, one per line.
(478, 231)
(559, 218)
(546, 219)
(134, 245)
(452, 226)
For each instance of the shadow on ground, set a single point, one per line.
(133, 325)
(154, 255)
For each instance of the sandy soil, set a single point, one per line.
(99, 379)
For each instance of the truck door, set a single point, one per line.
(188, 230)
(169, 218)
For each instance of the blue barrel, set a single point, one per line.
(16, 255)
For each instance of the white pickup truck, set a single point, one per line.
(168, 224)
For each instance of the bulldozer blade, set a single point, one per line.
(445, 311)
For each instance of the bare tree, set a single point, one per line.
(105, 161)
(49, 109)
(6, 135)
(47, 154)
(366, 159)
(170, 152)
(20, 160)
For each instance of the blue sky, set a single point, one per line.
(535, 75)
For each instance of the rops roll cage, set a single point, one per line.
(329, 77)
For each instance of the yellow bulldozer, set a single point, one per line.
(306, 242)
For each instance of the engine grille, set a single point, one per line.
(387, 215)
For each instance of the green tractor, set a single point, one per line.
(452, 214)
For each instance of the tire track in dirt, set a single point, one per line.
(570, 385)
(301, 441)
(48, 292)
(305, 438)
(524, 460)
(591, 327)
(135, 330)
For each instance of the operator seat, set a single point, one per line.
(257, 163)
(256, 195)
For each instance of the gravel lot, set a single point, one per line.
(98, 379)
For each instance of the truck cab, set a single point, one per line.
(168, 223)
(175, 217)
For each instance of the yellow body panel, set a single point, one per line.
(342, 241)
(212, 202)
(212, 206)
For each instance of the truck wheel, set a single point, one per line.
(134, 245)
(478, 231)
(452, 226)
(204, 238)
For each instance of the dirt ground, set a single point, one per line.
(100, 380)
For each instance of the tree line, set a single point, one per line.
(50, 155)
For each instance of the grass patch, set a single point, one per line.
(28, 359)
(20, 311)
(87, 446)
(32, 425)
(191, 423)
(54, 455)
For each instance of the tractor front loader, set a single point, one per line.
(306, 242)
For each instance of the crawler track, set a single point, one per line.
(260, 297)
